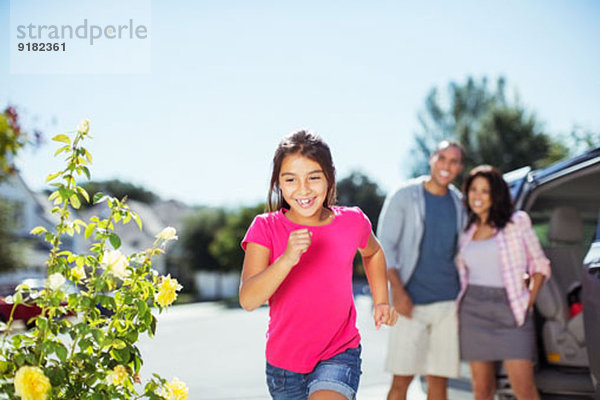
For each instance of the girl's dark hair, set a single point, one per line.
(502, 206)
(308, 145)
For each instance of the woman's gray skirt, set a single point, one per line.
(488, 329)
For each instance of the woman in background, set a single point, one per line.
(502, 267)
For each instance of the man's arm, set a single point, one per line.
(389, 227)
(400, 297)
(389, 232)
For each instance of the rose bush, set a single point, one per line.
(89, 355)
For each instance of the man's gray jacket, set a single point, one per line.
(402, 224)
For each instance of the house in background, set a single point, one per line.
(29, 209)
(33, 209)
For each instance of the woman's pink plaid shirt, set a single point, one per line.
(521, 255)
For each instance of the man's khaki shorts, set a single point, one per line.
(426, 344)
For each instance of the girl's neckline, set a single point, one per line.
(331, 220)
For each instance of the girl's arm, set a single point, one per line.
(259, 279)
(375, 268)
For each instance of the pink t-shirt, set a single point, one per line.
(312, 314)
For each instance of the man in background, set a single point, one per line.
(419, 227)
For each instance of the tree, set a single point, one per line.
(9, 254)
(198, 233)
(357, 189)
(226, 248)
(120, 189)
(581, 140)
(12, 140)
(492, 129)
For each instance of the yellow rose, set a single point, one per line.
(84, 126)
(117, 376)
(78, 272)
(167, 234)
(174, 390)
(32, 384)
(116, 263)
(167, 291)
(55, 281)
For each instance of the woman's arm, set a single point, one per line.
(536, 283)
(375, 268)
(259, 279)
(537, 262)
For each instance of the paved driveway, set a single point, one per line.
(219, 353)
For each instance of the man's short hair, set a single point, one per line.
(444, 144)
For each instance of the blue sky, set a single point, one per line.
(229, 78)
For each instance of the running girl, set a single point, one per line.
(299, 258)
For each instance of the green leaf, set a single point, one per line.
(137, 219)
(61, 352)
(62, 138)
(38, 230)
(142, 308)
(84, 193)
(99, 198)
(153, 326)
(75, 201)
(137, 364)
(18, 298)
(19, 359)
(88, 155)
(65, 148)
(84, 344)
(98, 335)
(53, 176)
(115, 240)
(127, 218)
(53, 195)
(89, 230)
(48, 237)
(65, 193)
(121, 355)
(41, 323)
(4, 367)
(119, 344)
(86, 171)
(56, 375)
(132, 336)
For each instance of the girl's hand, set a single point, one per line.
(384, 314)
(298, 243)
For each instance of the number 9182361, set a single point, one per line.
(42, 46)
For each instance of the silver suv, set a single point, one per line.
(563, 201)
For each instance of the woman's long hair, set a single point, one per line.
(502, 205)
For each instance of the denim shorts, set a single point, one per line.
(340, 373)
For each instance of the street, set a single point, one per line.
(219, 353)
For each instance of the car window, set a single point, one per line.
(541, 224)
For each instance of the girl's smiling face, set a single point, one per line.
(304, 187)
